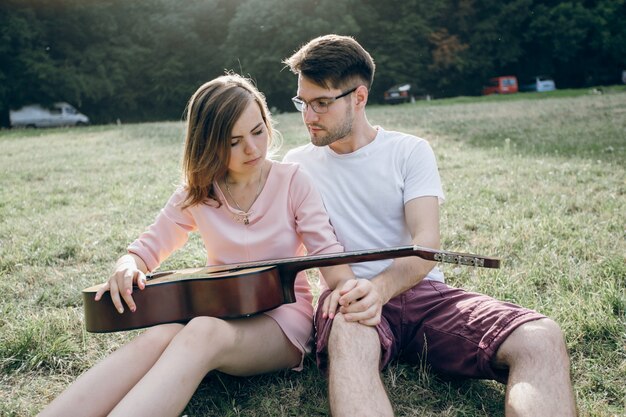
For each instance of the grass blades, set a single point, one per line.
(536, 179)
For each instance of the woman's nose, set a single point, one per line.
(250, 147)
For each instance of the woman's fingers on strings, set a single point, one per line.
(127, 288)
(127, 282)
(122, 286)
(103, 288)
(115, 296)
(141, 280)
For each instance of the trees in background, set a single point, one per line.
(264, 32)
(138, 61)
(114, 59)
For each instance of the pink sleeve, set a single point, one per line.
(169, 232)
(312, 222)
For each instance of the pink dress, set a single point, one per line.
(287, 219)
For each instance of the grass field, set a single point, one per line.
(536, 179)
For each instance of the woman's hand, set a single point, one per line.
(127, 272)
(331, 304)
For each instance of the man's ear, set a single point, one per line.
(361, 94)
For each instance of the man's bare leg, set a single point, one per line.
(354, 384)
(539, 380)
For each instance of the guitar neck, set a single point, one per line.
(301, 263)
(317, 261)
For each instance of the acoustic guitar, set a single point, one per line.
(236, 290)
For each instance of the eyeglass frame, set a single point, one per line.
(301, 105)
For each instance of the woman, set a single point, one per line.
(246, 207)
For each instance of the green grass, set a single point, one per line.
(537, 179)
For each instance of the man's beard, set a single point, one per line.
(339, 132)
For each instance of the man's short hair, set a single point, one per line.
(333, 61)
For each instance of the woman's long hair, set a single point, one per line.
(212, 113)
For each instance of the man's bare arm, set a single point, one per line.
(362, 300)
(422, 217)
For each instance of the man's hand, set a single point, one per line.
(358, 300)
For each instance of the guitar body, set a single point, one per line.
(223, 295)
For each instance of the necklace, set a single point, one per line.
(244, 217)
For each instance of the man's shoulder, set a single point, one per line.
(401, 138)
(400, 145)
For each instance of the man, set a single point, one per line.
(382, 189)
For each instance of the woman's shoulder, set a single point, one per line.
(289, 173)
(179, 197)
(180, 193)
(284, 169)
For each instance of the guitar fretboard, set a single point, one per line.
(314, 261)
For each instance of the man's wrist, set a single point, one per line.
(382, 289)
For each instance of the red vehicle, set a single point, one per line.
(501, 85)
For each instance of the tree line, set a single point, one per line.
(140, 61)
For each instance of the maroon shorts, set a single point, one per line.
(455, 332)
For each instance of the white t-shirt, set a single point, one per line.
(365, 191)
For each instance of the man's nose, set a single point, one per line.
(309, 115)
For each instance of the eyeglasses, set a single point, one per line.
(319, 105)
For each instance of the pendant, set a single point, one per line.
(241, 218)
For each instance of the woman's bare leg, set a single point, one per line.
(238, 347)
(98, 390)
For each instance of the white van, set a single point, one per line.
(540, 83)
(35, 115)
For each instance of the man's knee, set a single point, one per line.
(543, 335)
(536, 341)
(352, 338)
(350, 331)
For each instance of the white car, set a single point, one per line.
(539, 84)
(35, 115)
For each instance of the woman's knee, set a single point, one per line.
(158, 337)
(208, 330)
